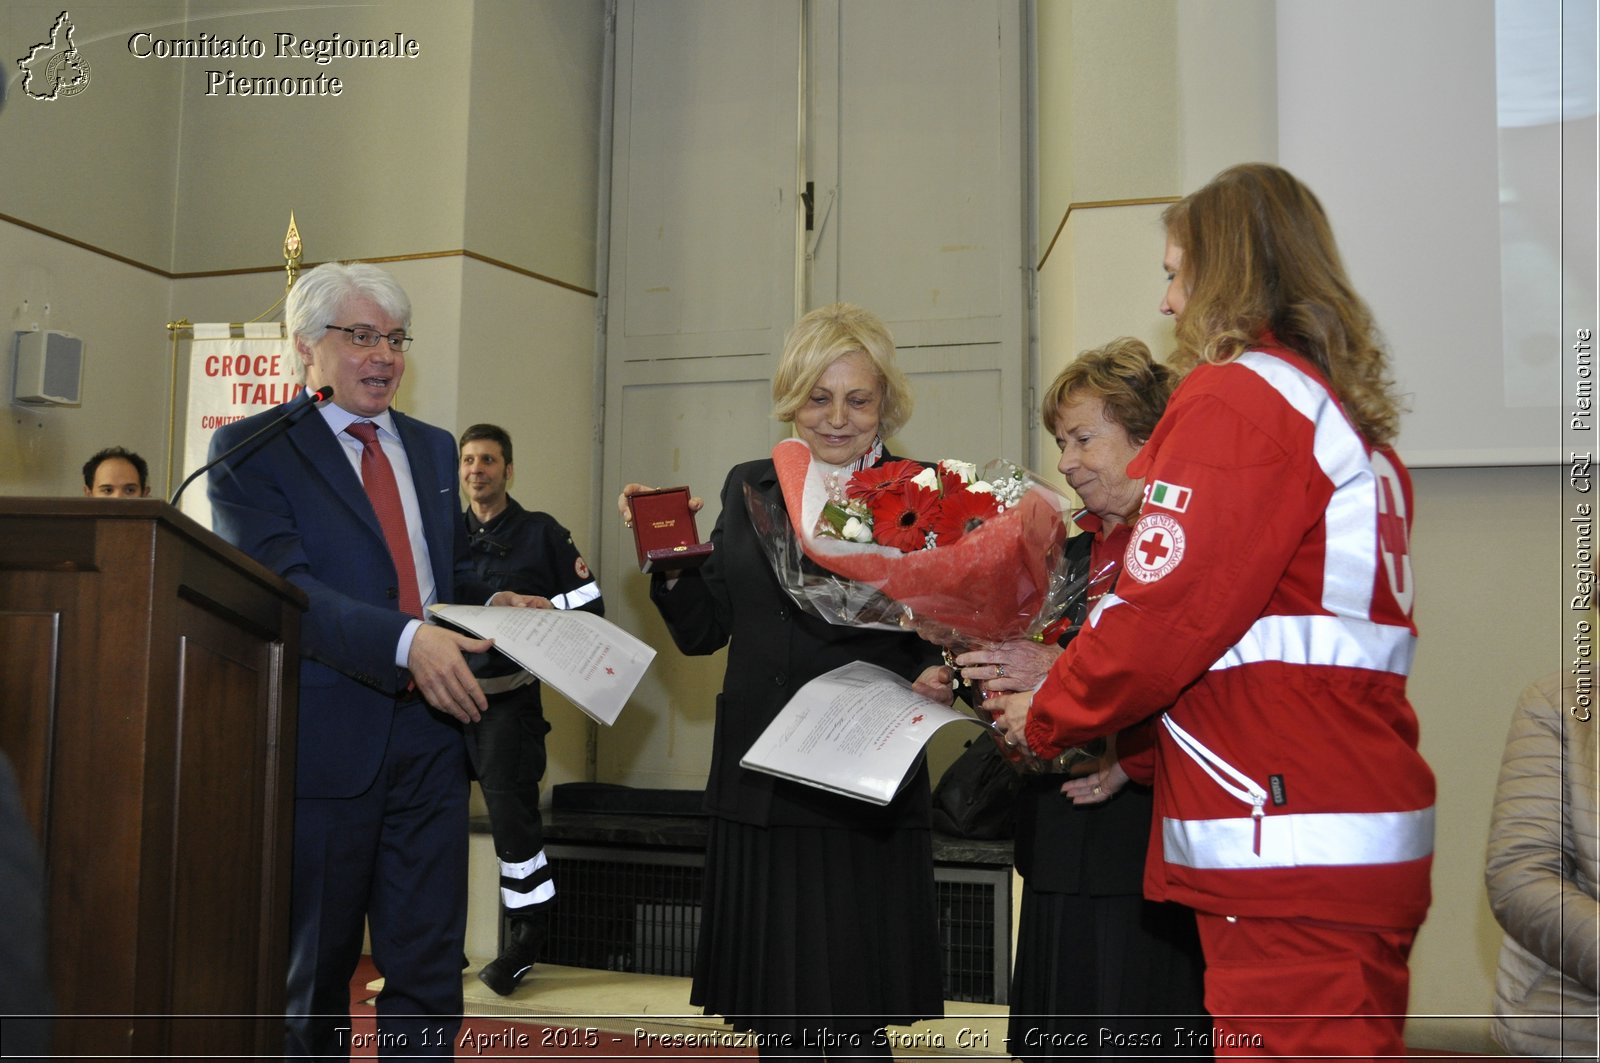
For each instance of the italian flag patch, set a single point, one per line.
(1169, 496)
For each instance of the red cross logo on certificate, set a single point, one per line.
(1156, 547)
(610, 670)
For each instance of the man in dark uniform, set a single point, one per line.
(529, 553)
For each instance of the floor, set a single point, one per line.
(574, 1011)
(567, 1011)
(564, 1012)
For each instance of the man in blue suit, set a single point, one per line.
(355, 503)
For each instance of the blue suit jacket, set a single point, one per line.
(295, 504)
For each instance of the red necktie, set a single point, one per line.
(377, 476)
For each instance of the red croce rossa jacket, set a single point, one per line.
(1266, 607)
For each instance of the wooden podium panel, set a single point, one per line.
(147, 702)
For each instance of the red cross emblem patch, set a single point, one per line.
(1394, 545)
(1155, 548)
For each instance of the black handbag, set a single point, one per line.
(977, 794)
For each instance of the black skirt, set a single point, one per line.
(808, 928)
(1104, 977)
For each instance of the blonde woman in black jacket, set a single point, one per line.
(819, 926)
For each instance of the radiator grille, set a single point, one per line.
(974, 932)
(638, 910)
(627, 910)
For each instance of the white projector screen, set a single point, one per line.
(1462, 194)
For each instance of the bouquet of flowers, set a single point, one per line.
(962, 557)
(910, 506)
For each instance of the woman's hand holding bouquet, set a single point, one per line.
(970, 562)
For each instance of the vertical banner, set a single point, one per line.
(231, 377)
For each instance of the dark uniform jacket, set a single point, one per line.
(528, 553)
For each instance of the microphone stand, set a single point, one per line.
(288, 417)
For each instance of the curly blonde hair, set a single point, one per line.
(821, 338)
(1259, 257)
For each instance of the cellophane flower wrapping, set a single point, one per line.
(1002, 580)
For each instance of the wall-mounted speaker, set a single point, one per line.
(48, 369)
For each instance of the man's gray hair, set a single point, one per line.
(318, 296)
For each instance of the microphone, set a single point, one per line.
(296, 410)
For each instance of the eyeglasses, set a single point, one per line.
(362, 336)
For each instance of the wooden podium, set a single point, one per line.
(148, 685)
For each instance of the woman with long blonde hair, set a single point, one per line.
(1267, 600)
(1282, 278)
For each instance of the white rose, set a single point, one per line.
(856, 531)
(982, 487)
(964, 469)
(928, 478)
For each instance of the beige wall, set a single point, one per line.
(1227, 100)
(530, 200)
(102, 165)
(121, 313)
(470, 145)
(1487, 545)
(486, 143)
(398, 132)
(1107, 79)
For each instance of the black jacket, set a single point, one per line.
(1090, 850)
(774, 649)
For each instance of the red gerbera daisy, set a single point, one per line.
(903, 518)
(961, 512)
(951, 483)
(869, 484)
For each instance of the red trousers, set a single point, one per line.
(1299, 989)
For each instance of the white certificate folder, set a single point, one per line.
(857, 730)
(594, 663)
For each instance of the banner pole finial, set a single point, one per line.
(291, 253)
